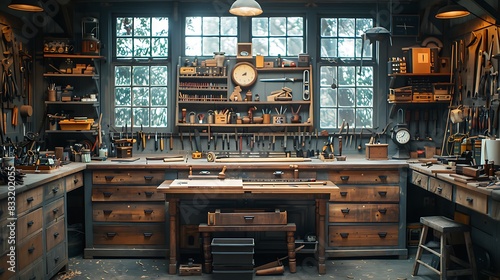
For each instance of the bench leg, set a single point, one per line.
(172, 211)
(423, 236)
(206, 252)
(292, 262)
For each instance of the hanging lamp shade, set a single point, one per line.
(452, 11)
(26, 5)
(245, 8)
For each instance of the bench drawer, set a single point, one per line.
(130, 177)
(55, 234)
(30, 251)
(130, 212)
(247, 218)
(371, 213)
(29, 199)
(420, 180)
(364, 177)
(74, 181)
(441, 188)
(54, 210)
(53, 189)
(127, 193)
(130, 235)
(56, 257)
(473, 200)
(366, 194)
(357, 236)
(29, 224)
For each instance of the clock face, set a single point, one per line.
(405, 25)
(244, 74)
(402, 136)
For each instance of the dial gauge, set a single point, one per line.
(244, 74)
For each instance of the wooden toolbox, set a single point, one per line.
(250, 217)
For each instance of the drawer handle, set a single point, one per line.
(107, 194)
(382, 193)
(109, 177)
(30, 199)
(278, 173)
(56, 234)
(344, 234)
(345, 211)
(148, 234)
(149, 194)
(469, 199)
(383, 177)
(344, 178)
(56, 259)
(30, 223)
(55, 190)
(343, 193)
(148, 178)
(55, 210)
(382, 211)
(419, 181)
(382, 234)
(248, 218)
(31, 249)
(107, 212)
(75, 181)
(440, 190)
(148, 211)
(110, 234)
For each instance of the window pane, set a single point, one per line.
(142, 47)
(277, 26)
(328, 47)
(141, 117)
(259, 46)
(346, 97)
(295, 26)
(123, 76)
(364, 97)
(122, 96)
(277, 46)
(159, 96)
(328, 97)
(210, 45)
(159, 75)
(346, 27)
(160, 47)
(123, 26)
(122, 117)
(363, 24)
(260, 26)
(364, 117)
(346, 115)
(346, 76)
(328, 76)
(141, 96)
(328, 27)
(295, 46)
(142, 26)
(211, 26)
(193, 46)
(159, 26)
(141, 76)
(229, 26)
(229, 45)
(366, 77)
(346, 47)
(193, 26)
(123, 47)
(159, 117)
(328, 118)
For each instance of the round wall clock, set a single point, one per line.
(244, 74)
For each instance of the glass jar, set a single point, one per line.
(86, 155)
(219, 58)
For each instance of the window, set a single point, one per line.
(273, 36)
(141, 71)
(346, 89)
(206, 35)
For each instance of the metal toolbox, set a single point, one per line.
(254, 217)
(232, 252)
(225, 245)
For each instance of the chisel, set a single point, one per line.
(171, 141)
(156, 141)
(161, 142)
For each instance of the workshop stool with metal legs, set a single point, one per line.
(445, 227)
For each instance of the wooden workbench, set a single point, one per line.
(177, 190)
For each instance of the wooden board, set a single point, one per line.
(270, 159)
(132, 159)
(209, 183)
(31, 169)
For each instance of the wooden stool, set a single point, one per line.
(445, 226)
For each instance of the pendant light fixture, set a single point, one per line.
(245, 8)
(26, 5)
(451, 11)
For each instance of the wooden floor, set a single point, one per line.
(136, 269)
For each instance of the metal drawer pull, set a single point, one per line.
(107, 212)
(344, 178)
(55, 210)
(382, 193)
(107, 194)
(344, 234)
(148, 178)
(55, 190)
(383, 177)
(419, 181)
(382, 211)
(148, 211)
(29, 199)
(56, 259)
(148, 234)
(149, 194)
(382, 234)
(278, 173)
(56, 234)
(469, 199)
(31, 249)
(110, 234)
(75, 181)
(109, 178)
(345, 211)
(440, 190)
(343, 193)
(30, 223)
(248, 218)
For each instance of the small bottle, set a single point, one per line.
(86, 155)
(103, 151)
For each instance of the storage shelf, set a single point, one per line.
(71, 75)
(64, 55)
(95, 103)
(283, 69)
(418, 74)
(70, 131)
(250, 103)
(203, 77)
(204, 89)
(419, 102)
(244, 125)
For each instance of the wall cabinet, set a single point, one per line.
(206, 97)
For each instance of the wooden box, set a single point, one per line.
(189, 269)
(255, 217)
(376, 151)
